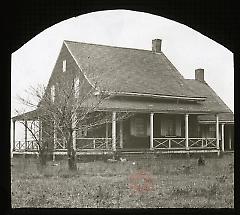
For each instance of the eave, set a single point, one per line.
(155, 96)
(212, 121)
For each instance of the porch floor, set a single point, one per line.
(127, 151)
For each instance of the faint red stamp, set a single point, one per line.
(141, 181)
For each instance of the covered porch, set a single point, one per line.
(142, 132)
(153, 133)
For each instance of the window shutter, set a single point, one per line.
(148, 127)
(139, 127)
(163, 127)
(132, 127)
(178, 127)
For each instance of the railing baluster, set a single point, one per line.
(169, 143)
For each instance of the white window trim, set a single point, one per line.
(53, 93)
(64, 65)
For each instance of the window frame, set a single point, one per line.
(176, 126)
(64, 66)
(53, 93)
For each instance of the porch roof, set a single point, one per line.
(156, 105)
(30, 115)
(223, 117)
(212, 104)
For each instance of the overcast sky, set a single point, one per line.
(185, 48)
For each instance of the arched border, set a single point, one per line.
(214, 19)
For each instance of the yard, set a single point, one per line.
(148, 183)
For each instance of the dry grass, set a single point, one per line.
(175, 183)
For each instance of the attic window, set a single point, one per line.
(64, 66)
(53, 93)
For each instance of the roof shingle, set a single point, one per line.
(129, 70)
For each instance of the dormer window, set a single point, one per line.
(53, 93)
(64, 66)
(76, 87)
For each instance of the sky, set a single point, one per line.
(186, 48)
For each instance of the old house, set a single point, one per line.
(170, 114)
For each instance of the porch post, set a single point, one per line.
(223, 149)
(217, 130)
(106, 135)
(39, 131)
(54, 139)
(186, 130)
(25, 137)
(151, 131)
(114, 131)
(13, 147)
(121, 133)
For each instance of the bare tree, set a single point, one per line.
(67, 106)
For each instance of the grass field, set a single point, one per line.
(150, 183)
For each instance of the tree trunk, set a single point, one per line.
(42, 157)
(72, 161)
(71, 154)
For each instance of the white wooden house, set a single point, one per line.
(170, 114)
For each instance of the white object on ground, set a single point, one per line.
(123, 159)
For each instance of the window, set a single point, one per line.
(212, 130)
(76, 88)
(64, 66)
(139, 127)
(170, 126)
(53, 93)
(167, 127)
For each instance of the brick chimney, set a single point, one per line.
(156, 45)
(199, 75)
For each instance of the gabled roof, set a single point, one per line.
(128, 70)
(213, 101)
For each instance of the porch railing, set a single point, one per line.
(202, 143)
(180, 143)
(30, 145)
(168, 143)
(60, 144)
(100, 143)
